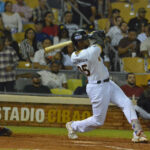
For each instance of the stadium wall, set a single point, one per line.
(21, 110)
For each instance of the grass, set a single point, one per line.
(62, 131)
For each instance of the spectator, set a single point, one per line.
(53, 79)
(135, 23)
(23, 10)
(58, 57)
(129, 45)
(142, 36)
(111, 21)
(114, 32)
(40, 59)
(40, 36)
(2, 6)
(63, 34)
(12, 21)
(143, 103)
(145, 45)
(36, 86)
(3, 30)
(10, 42)
(39, 12)
(49, 27)
(130, 89)
(103, 8)
(8, 63)
(88, 8)
(29, 45)
(67, 51)
(71, 27)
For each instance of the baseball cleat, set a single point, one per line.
(139, 139)
(71, 133)
(5, 132)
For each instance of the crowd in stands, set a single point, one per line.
(40, 28)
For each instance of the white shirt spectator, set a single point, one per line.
(115, 34)
(39, 56)
(26, 10)
(52, 80)
(13, 22)
(142, 37)
(145, 46)
(67, 60)
(71, 28)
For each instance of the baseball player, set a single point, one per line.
(100, 89)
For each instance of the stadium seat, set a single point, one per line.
(135, 65)
(58, 91)
(74, 83)
(13, 1)
(126, 11)
(32, 3)
(18, 36)
(24, 65)
(26, 26)
(140, 4)
(142, 79)
(56, 15)
(102, 23)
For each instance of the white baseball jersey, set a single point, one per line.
(90, 63)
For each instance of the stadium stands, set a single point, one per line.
(135, 64)
(61, 91)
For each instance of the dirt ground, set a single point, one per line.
(49, 142)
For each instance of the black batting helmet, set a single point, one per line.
(79, 35)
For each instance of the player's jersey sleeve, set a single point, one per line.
(94, 51)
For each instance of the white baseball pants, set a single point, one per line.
(101, 95)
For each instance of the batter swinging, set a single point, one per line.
(100, 89)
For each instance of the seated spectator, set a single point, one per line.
(142, 36)
(135, 23)
(40, 59)
(49, 27)
(40, 36)
(63, 34)
(36, 86)
(114, 32)
(143, 103)
(66, 52)
(129, 45)
(12, 21)
(111, 22)
(23, 10)
(3, 30)
(71, 27)
(58, 57)
(8, 63)
(145, 45)
(2, 6)
(39, 12)
(10, 42)
(29, 45)
(53, 79)
(130, 89)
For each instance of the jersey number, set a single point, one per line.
(84, 69)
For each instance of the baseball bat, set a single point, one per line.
(57, 46)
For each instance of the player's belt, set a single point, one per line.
(106, 80)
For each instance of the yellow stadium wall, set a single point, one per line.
(43, 111)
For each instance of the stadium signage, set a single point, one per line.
(40, 115)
